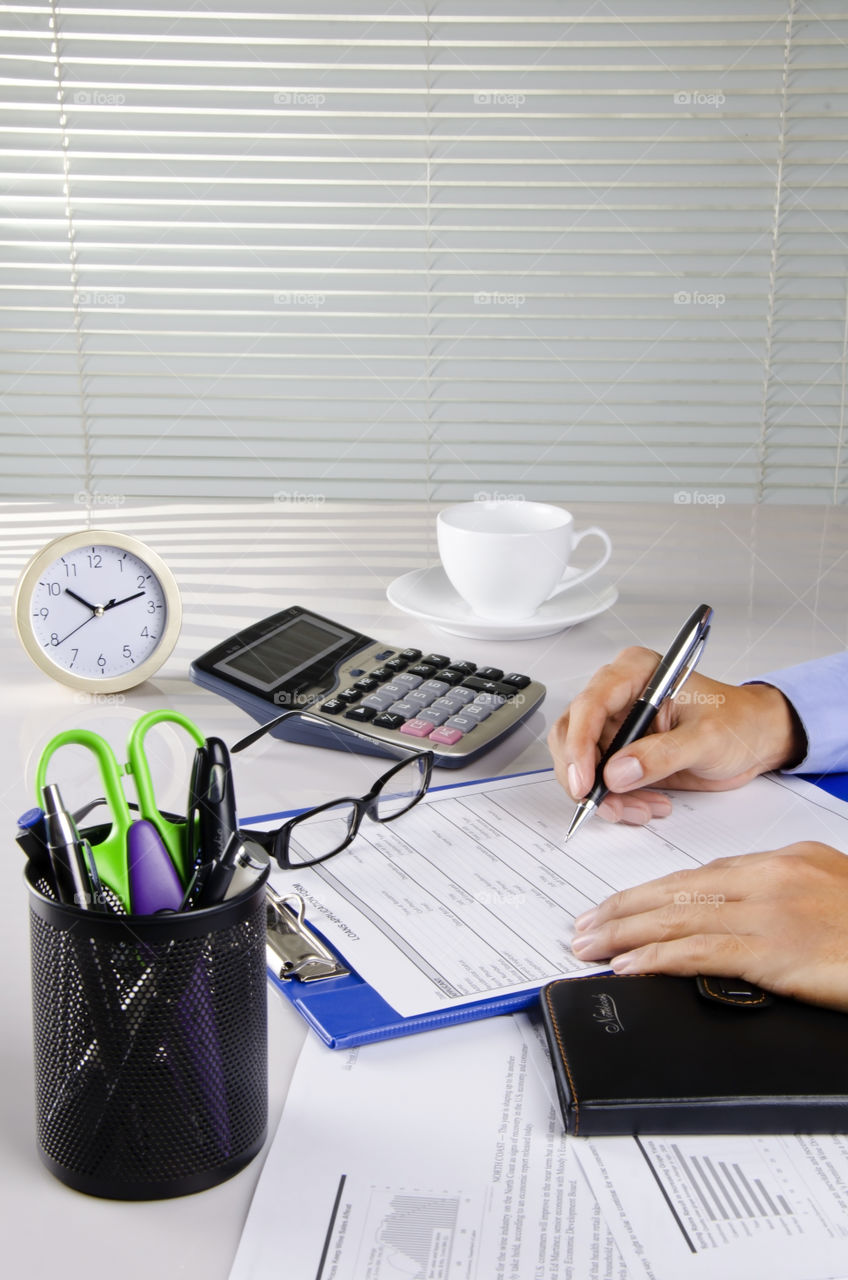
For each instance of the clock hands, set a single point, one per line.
(92, 607)
(75, 630)
(113, 604)
(97, 610)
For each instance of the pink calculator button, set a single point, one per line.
(417, 727)
(446, 736)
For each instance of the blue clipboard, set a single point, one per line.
(341, 1007)
(345, 1010)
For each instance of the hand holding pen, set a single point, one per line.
(714, 737)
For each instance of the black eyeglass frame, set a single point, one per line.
(277, 842)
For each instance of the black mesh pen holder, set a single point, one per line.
(151, 1048)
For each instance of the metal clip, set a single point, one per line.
(292, 949)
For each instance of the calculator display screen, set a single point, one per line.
(276, 658)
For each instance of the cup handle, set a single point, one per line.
(593, 568)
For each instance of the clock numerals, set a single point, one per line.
(100, 609)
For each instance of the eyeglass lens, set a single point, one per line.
(317, 835)
(401, 790)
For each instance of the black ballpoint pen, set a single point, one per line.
(668, 679)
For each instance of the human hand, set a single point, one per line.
(711, 737)
(778, 919)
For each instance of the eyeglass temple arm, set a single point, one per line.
(396, 749)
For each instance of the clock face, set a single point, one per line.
(97, 610)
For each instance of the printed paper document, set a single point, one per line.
(432, 1157)
(473, 893)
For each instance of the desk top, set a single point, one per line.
(777, 578)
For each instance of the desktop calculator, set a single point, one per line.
(297, 659)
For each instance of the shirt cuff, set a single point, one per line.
(818, 692)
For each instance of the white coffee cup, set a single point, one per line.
(506, 558)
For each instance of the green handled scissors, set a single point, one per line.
(110, 854)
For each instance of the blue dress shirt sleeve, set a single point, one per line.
(818, 690)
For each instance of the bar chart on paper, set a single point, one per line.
(721, 1189)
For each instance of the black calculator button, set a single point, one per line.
(516, 680)
(360, 713)
(396, 664)
(451, 675)
(366, 684)
(436, 660)
(347, 696)
(333, 707)
(467, 668)
(489, 686)
(410, 655)
(387, 720)
(478, 684)
(489, 673)
(423, 669)
(381, 673)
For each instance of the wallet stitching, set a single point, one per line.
(718, 995)
(555, 1025)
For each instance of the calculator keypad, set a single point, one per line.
(431, 698)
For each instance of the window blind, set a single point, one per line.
(425, 250)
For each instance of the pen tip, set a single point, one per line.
(581, 813)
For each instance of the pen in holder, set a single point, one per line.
(151, 1059)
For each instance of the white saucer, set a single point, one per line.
(427, 594)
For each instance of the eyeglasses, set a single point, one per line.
(320, 833)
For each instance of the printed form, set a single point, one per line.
(473, 893)
(433, 1157)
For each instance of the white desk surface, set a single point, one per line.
(776, 576)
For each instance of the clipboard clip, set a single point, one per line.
(292, 950)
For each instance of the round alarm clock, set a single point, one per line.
(97, 610)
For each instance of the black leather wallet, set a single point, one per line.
(686, 1055)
